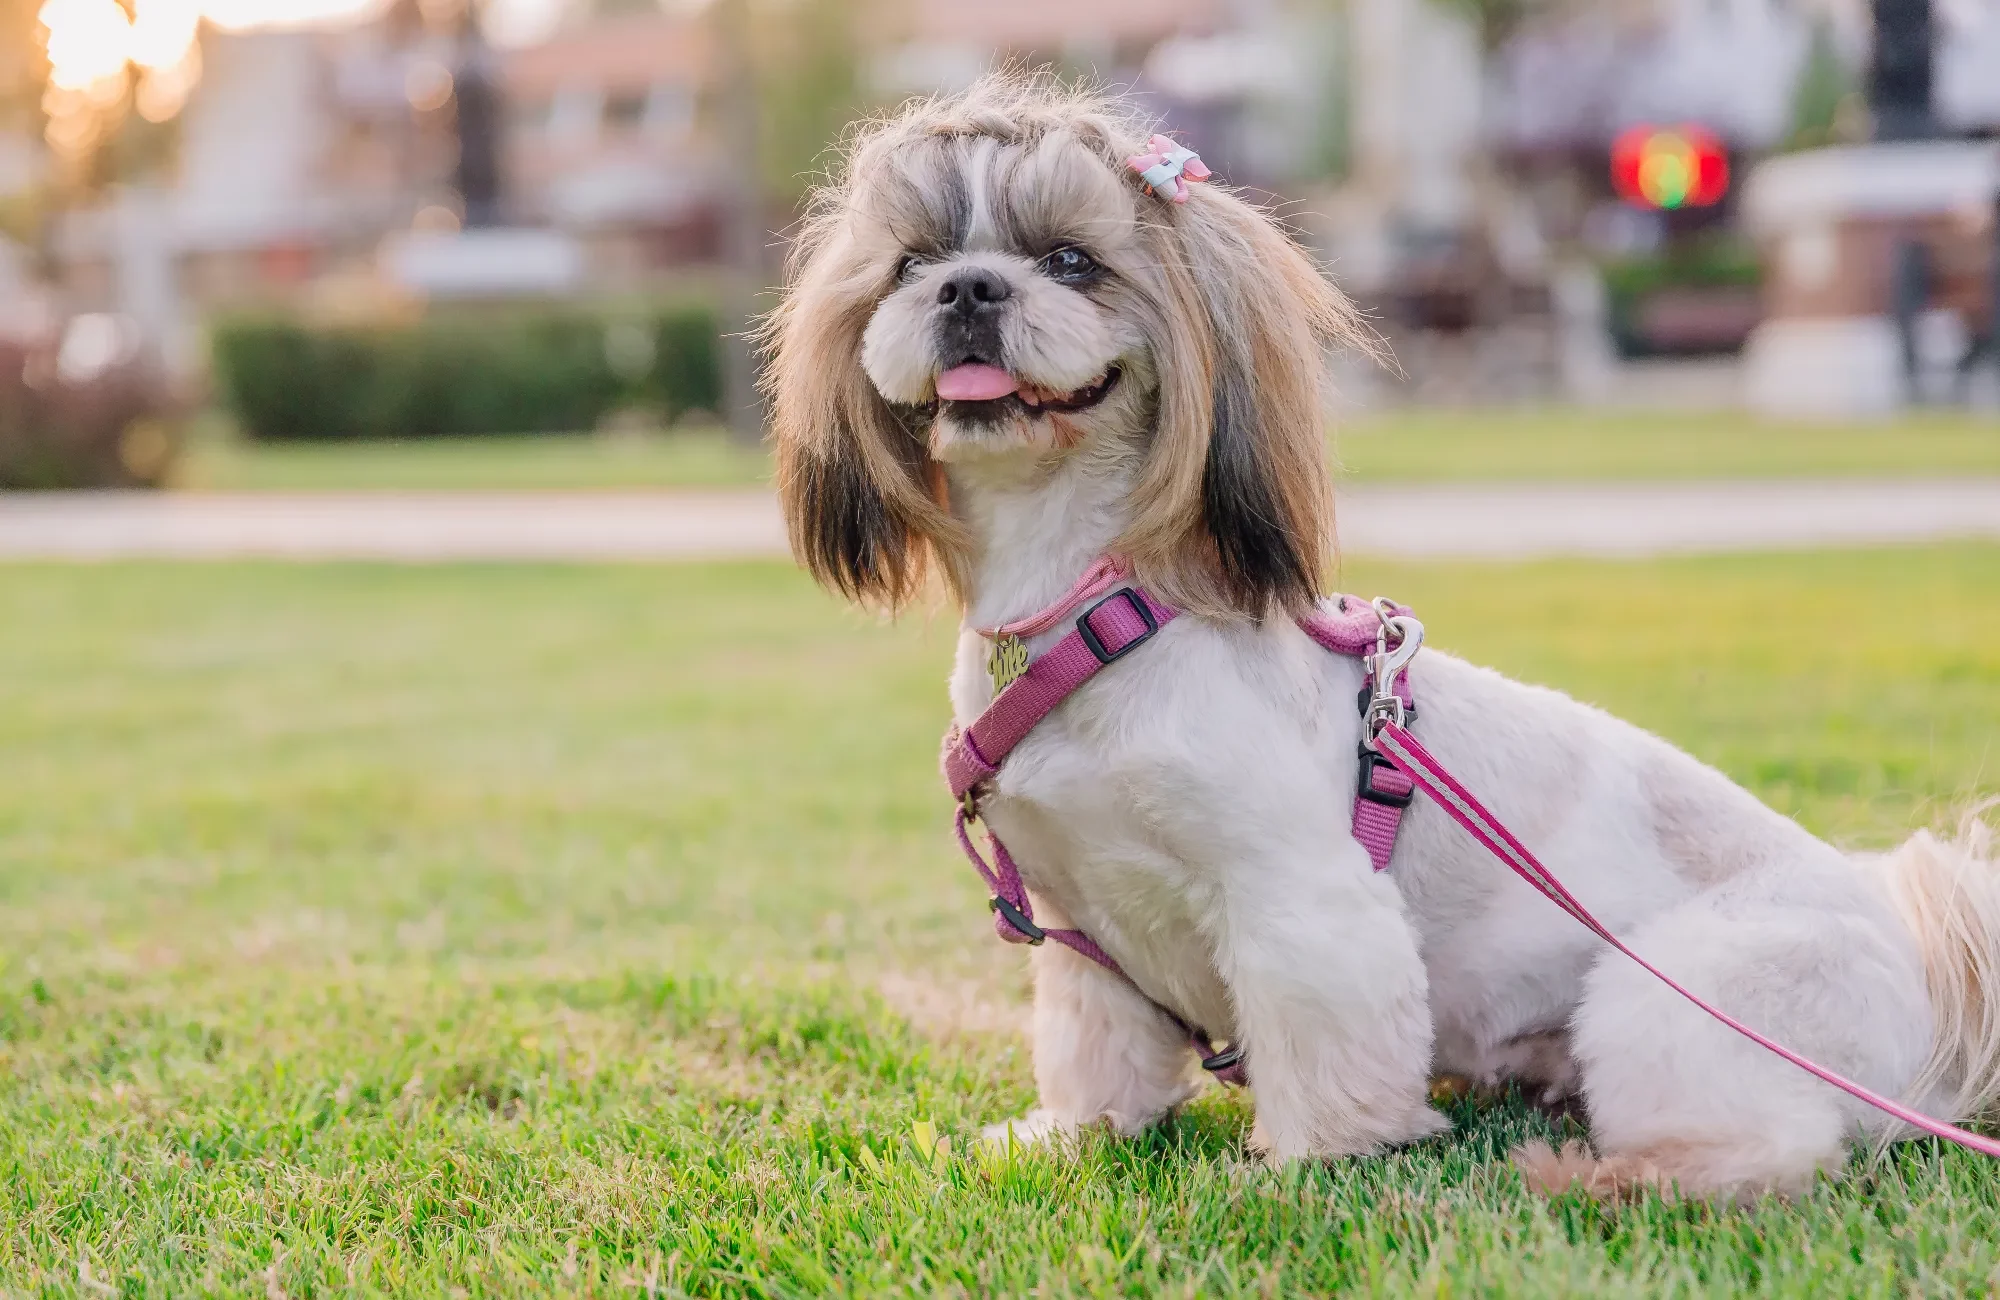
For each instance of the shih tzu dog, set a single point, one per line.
(1006, 353)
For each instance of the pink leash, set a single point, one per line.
(1464, 808)
(1394, 766)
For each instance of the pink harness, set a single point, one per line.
(1393, 766)
(1111, 628)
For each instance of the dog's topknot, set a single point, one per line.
(1014, 106)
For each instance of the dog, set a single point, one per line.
(1003, 355)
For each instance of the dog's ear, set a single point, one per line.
(1237, 504)
(854, 478)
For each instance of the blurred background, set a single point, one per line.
(531, 928)
(228, 225)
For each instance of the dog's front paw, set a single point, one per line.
(1423, 1123)
(1038, 1128)
(1420, 1123)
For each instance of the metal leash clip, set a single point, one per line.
(1396, 644)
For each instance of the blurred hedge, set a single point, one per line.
(1717, 262)
(511, 371)
(117, 427)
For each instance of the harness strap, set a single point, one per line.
(1118, 623)
(1098, 579)
(1106, 632)
(1463, 807)
(1014, 921)
(1381, 793)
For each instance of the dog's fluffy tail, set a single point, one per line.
(1948, 890)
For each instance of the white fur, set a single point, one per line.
(1189, 809)
(1056, 339)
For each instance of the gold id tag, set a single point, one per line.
(1007, 660)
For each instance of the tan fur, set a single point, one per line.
(1210, 282)
(1670, 1170)
(1948, 891)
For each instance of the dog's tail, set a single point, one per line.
(1948, 890)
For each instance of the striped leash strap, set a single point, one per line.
(1463, 807)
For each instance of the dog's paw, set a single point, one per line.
(1550, 1172)
(1423, 1123)
(1418, 1124)
(1037, 1128)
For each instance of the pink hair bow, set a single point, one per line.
(1166, 168)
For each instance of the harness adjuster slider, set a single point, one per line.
(1096, 643)
(1015, 917)
(1364, 781)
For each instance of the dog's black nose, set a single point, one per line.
(973, 289)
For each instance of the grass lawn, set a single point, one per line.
(517, 930)
(695, 458)
(1411, 446)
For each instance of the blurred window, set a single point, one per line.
(625, 110)
(576, 113)
(669, 109)
(532, 117)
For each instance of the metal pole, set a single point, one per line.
(1899, 70)
(476, 117)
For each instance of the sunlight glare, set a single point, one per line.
(91, 41)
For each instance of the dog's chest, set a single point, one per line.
(1075, 814)
(1078, 804)
(1079, 825)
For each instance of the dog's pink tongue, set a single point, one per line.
(971, 383)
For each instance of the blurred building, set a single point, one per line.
(1254, 86)
(1455, 173)
(296, 152)
(303, 154)
(22, 162)
(606, 139)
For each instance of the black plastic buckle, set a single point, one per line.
(1018, 919)
(1096, 643)
(1367, 696)
(1365, 787)
(1222, 1060)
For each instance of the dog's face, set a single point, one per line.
(989, 278)
(1015, 317)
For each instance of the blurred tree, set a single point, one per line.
(1500, 20)
(1826, 85)
(787, 83)
(809, 87)
(1497, 19)
(24, 63)
(24, 70)
(129, 146)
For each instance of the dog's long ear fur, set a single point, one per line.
(858, 488)
(1232, 509)
(1234, 514)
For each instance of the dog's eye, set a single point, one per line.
(1069, 266)
(907, 267)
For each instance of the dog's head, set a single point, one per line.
(988, 277)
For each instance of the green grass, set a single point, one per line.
(684, 458)
(1569, 443)
(516, 930)
(1410, 446)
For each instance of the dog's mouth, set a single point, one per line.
(978, 391)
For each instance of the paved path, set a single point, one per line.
(1490, 521)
